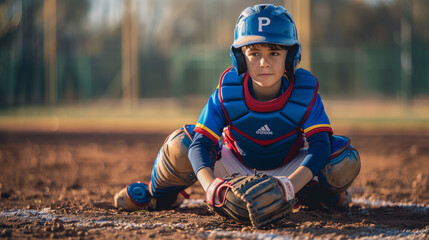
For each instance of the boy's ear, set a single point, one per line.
(240, 62)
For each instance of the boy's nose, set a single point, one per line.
(264, 62)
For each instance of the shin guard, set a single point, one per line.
(172, 171)
(343, 166)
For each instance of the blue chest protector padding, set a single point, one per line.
(266, 140)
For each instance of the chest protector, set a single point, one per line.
(266, 135)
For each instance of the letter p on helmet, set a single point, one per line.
(263, 21)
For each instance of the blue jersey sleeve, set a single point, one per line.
(208, 132)
(212, 119)
(317, 119)
(319, 151)
(199, 152)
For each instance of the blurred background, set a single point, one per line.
(148, 64)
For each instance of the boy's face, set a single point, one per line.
(266, 66)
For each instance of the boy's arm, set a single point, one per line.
(319, 152)
(205, 177)
(208, 131)
(300, 177)
(318, 155)
(201, 153)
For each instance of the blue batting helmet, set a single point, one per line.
(265, 23)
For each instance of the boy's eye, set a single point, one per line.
(253, 54)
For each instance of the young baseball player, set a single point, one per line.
(266, 116)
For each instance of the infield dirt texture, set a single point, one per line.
(60, 185)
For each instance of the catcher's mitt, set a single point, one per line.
(255, 200)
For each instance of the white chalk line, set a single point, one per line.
(420, 208)
(48, 215)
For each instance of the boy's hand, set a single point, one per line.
(255, 200)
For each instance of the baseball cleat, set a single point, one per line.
(343, 200)
(139, 193)
(134, 197)
(314, 196)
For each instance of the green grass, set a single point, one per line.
(167, 115)
(379, 116)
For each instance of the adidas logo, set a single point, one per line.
(264, 130)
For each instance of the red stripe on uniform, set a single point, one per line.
(317, 130)
(205, 133)
(264, 142)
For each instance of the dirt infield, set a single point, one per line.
(54, 185)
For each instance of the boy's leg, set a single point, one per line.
(172, 171)
(333, 180)
(171, 174)
(343, 166)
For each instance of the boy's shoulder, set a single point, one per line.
(305, 79)
(230, 76)
(302, 71)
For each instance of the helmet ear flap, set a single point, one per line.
(293, 58)
(238, 60)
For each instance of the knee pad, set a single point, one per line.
(172, 171)
(343, 166)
